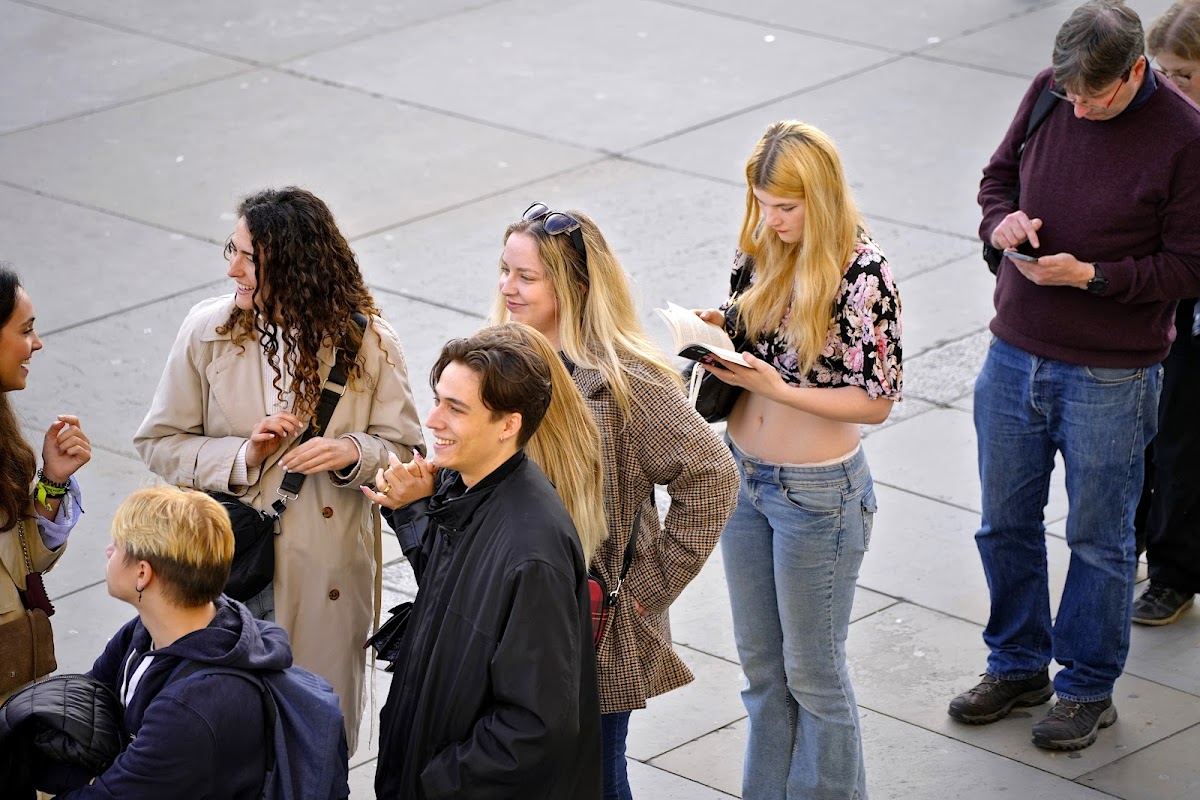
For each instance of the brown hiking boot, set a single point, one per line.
(992, 698)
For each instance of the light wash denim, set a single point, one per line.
(792, 550)
(1026, 409)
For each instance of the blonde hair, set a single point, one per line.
(598, 325)
(796, 160)
(184, 535)
(567, 443)
(1177, 32)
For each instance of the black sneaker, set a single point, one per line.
(992, 698)
(1160, 605)
(1073, 726)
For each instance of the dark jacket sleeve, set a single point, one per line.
(1001, 175)
(522, 736)
(411, 524)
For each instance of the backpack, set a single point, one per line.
(304, 726)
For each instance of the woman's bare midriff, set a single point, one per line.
(781, 434)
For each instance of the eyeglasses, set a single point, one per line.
(231, 250)
(556, 222)
(1075, 101)
(1180, 78)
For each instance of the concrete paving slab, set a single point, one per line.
(675, 234)
(993, 46)
(1168, 654)
(913, 251)
(709, 702)
(912, 173)
(945, 374)
(362, 781)
(1163, 771)
(368, 728)
(907, 26)
(649, 781)
(106, 257)
(910, 662)
(715, 759)
(69, 66)
(265, 32)
(902, 457)
(616, 67)
(924, 552)
(181, 161)
(906, 408)
(945, 304)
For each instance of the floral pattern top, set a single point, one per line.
(863, 345)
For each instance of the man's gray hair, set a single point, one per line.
(1098, 44)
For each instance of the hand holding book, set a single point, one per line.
(695, 339)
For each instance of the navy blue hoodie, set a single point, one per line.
(200, 737)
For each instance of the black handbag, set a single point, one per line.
(254, 531)
(390, 635)
(713, 397)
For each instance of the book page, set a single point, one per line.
(693, 338)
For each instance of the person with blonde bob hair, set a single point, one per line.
(203, 736)
(821, 320)
(559, 276)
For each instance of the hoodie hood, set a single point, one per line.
(233, 639)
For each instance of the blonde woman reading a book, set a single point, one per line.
(822, 319)
(558, 275)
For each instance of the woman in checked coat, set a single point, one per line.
(558, 275)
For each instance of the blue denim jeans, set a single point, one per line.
(792, 550)
(1026, 409)
(614, 730)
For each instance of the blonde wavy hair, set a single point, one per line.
(598, 324)
(567, 443)
(184, 535)
(796, 160)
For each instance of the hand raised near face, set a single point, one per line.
(65, 449)
(402, 483)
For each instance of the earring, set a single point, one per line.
(139, 591)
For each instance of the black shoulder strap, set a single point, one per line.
(190, 668)
(331, 393)
(1041, 110)
(630, 549)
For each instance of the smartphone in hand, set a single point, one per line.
(1013, 254)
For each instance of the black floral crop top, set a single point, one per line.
(863, 346)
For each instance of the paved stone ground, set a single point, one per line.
(129, 129)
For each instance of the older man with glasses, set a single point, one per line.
(1100, 205)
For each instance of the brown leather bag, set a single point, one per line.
(27, 642)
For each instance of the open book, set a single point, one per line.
(696, 339)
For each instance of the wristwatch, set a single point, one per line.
(1098, 284)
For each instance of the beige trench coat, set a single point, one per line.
(327, 577)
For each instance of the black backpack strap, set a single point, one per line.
(270, 715)
(1041, 110)
(331, 392)
(630, 549)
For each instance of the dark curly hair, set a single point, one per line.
(308, 284)
(18, 464)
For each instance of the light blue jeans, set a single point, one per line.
(1026, 409)
(792, 550)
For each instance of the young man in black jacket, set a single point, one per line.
(494, 694)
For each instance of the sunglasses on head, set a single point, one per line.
(556, 222)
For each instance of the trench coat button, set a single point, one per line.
(334, 594)
(326, 512)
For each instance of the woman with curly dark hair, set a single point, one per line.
(240, 386)
(38, 506)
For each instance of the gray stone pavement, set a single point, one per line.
(129, 129)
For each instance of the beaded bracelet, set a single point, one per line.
(47, 489)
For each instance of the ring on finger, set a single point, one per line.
(383, 490)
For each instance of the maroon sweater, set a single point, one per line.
(1123, 193)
